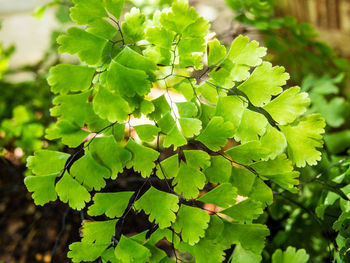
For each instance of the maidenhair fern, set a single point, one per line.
(237, 130)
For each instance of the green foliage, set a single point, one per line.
(291, 43)
(23, 130)
(65, 78)
(323, 198)
(216, 133)
(160, 205)
(98, 232)
(223, 195)
(227, 143)
(191, 222)
(71, 192)
(290, 255)
(129, 250)
(5, 55)
(24, 103)
(142, 158)
(111, 204)
(288, 105)
(43, 188)
(80, 42)
(188, 186)
(308, 129)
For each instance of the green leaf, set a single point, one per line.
(161, 108)
(241, 255)
(291, 255)
(335, 111)
(215, 228)
(127, 81)
(174, 137)
(166, 233)
(143, 158)
(65, 78)
(169, 167)
(71, 134)
(129, 250)
(190, 126)
(279, 170)
(43, 188)
(160, 36)
(111, 106)
(191, 222)
(249, 185)
(252, 126)
(74, 108)
(102, 28)
(193, 40)
(207, 114)
(86, 11)
(159, 55)
(89, 173)
(88, 47)
(157, 254)
(109, 257)
(146, 107)
(247, 153)
(133, 26)
(163, 40)
(223, 195)
(188, 180)
(71, 192)
(140, 237)
(204, 251)
(187, 109)
(118, 131)
(219, 171)
(209, 92)
(39, 11)
(82, 252)
(337, 142)
(160, 206)
(244, 52)
(179, 17)
(288, 106)
(235, 67)
(115, 7)
(110, 154)
(185, 87)
(216, 52)
(166, 123)
(216, 133)
(197, 159)
(46, 162)
(273, 142)
(303, 137)
(111, 204)
(22, 115)
(250, 236)
(246, 210)
(98, 232)
(279, 165)
(146, 132)
(265, 81)
(231, 108)
(131, 59)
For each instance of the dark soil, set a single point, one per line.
(30, 233)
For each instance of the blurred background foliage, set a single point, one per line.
(318, 217)
(24, 104)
